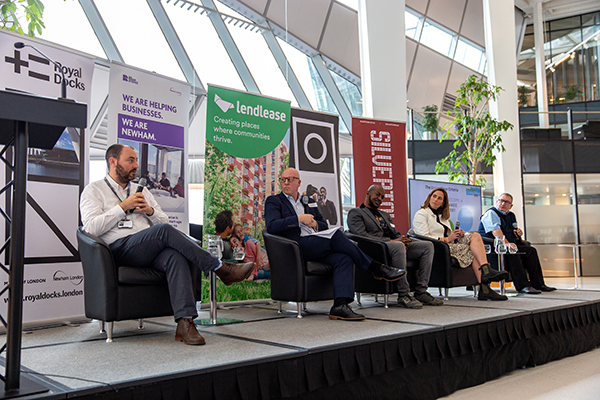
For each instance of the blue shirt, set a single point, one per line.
(299, 208)
(491, 220)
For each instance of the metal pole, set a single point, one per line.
(212, 289)
(501, 268)
(17, 250)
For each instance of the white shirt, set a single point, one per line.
(299, 208)
(100, 210)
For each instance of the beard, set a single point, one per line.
(124, 176)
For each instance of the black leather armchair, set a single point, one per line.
(446, 272)
(292, 277)
(123, 293)
(364, 282)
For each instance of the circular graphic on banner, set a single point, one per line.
(323, 148)
(243, 124)
(465, 216)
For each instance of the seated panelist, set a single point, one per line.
(135, 228)
(432, 221)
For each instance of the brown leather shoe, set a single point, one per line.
(231, 272)
(187, 333)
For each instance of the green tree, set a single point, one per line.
(221, 187)
(10, 10)
(478, 134)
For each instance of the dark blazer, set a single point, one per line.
(362, 222)
(281, 218)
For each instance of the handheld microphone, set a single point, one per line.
(141, 184)
(516, 226)
(457, 225)
(63, 86)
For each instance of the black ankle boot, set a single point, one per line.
(491, 275)
(486, 293)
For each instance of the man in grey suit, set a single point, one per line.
(367, 220)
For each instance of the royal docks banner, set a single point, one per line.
(150, 113)
(53, 277)
(379, 149)
(247, 148)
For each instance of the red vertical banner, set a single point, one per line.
(379, 149)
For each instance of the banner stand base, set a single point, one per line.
(219, 321)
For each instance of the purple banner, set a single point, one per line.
(148, 131)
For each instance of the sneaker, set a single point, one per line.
(427, 299)
(409, 301)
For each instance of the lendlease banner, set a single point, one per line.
(53, 288)
(379, 149)
(315, 154)
(150, 113)
(244, 124)
(247, 148)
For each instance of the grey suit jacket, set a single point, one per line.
(362, 222)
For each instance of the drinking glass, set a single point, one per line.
(488, 248)
(214, 245)
(512, 248)
(238, 254)
(501, 248)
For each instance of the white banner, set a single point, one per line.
(150, 113)
(53, 288)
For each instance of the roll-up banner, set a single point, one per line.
(247, 148)
(379, 149)
(315, 154)
(149, 112)
(53, 280)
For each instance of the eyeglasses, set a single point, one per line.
(286, 180)
(504, 201)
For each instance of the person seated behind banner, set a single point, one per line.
(179, 189)
(223, 229)
(253, 253)
(432, 221)
(165, 184)
(255, 248)
(150, 183)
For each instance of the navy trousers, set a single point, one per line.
(164, 248)
(340, 253)
(525, 269)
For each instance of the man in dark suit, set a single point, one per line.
(298, 218)
(327, 207)
(367, 220)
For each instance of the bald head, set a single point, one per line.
(290, 182)
(375, 196)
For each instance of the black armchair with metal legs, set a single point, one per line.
(120, 293)
(446, 271)
(292, 277)
(364, 282)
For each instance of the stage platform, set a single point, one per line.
(395, 353)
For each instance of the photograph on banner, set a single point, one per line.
(374, 144)
(25, 70)
(52, 284)
(315, 154)
(150, 113)
(464, 201)
(247, 148)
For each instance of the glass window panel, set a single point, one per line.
(203, 46)
(550, 156)
(350, 93)
(588, 201)
(57, 31)
(469, 55)
(311, 82)
(411, 24)
(135, 31)
(556, 261)
(549, 195)
(437, 38)
(258, 58)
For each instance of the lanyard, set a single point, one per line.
(115, 193)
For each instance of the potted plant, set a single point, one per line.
(430, 122)
(478, 134)
(524, 95)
